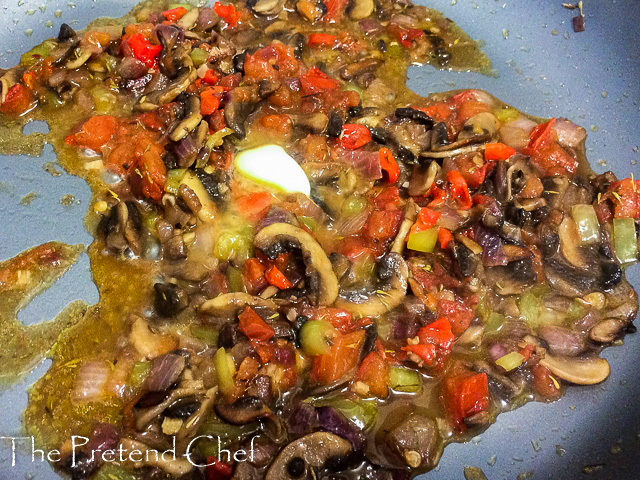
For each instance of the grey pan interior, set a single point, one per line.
(544, 69)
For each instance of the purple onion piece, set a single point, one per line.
(284, 356)
(105, 436)
(562, 341)
(496, 350)
(569, 134)
(493, 253)
(165, 370)
(274, 215)
(370, 26)
(332, 421)
(367, 163)
(293, 83)
(207, 19)
(186, 151)
(130, 68)
(578, 23)
(302, 419)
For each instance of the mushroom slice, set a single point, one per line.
(607, 330)
(307, 453)
(570, 245)
(394, 273)
(171, 465)
(361, 9)
(581, 371)
(191, 122)
(242, 411)
(268, 7)
(322, 277)
(230, 303)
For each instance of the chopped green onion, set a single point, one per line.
(199, 56)
(624, 239)
(529, 308)
(576, 310)
(309, 222)
(315, 337)
(186, 6)
(354, 205)
(234, 245)
(207, 333)
(225, 370)
(139, 373)
(236, 282)
(174, 178)
(37, 53)
(424, 241)
(510, 361)
(215, 140)
(494, 322)
(404, 380)
(505, 115)
(587, 223)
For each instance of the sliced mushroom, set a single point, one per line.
(229, 303)
(570, 245)
(82, 56)
(242, 411)
(568, 280)
(394, 274)
(581, 370)
(189, 19)
(311, 122)
(191, 122)
(300, 458)
(268, 7)
(322, 278)
(415, 440)
(186, 76)
(361, 9)
(607, 330)
(352, 70)
(176, 466)
(7, 81)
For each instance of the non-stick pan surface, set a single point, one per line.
(543, 68)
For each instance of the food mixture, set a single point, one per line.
(297, 256)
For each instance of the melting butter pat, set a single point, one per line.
(271, 165)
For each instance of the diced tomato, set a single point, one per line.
(439, 111)
(544, 385)
(316, 81)
(217, 470)
(437, 333)
(17, 101)
(625, 195)
(276, 278)
(444, 237)
(354, 136)
(374, 373)
(547, 154)
(464, 395)
(406, 36)
(498, 151)
(355, 247)
(95, 133)
(228, 13)
(458, 314)
(427, 218)
(389, 165)
(254, 204)
(470, 108)
(383, 224)
(322, 39)
(459, 189)
(342, 358)
(439, 197)
(268, 63)
(254, 275)
(253, 326)
(335, 10)
(388, 198)
(338, 317)
(209, 101)
(280, 123)
(143, 50)
(149, 174)
(174, 14)
(426, 353)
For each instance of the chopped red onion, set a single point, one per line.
(284, 356)
(367, 163)
(91, 382)
(578, 24)
(333, 421)
(165, 370)
(493, 253)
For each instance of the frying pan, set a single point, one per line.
(544, 69)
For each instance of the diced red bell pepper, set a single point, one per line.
(498, 151)
(174, 14)
(228, 13)
(387, 198)
(342, 357)
(444, 237)
(316, 81)
(210, 78)
(547, 154)
(253, 326)
(437, 333)
(322, 39)
(143, 50)
(354, 136)
(254, 204)
(209, 101)
(339, 318)
(427, 218)
(374, 373)
(335, 10)
(389, 165)
(464, 395)
(439, 197)
(17, 101)
(149, 174)
(276, 278)
(459, 189)
(426, 352)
